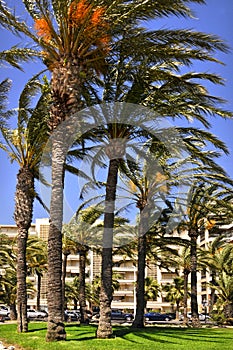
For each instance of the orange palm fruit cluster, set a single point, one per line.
(43, 29)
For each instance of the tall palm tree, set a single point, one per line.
(205, 201)
(147, 189)
(73, 40)
(24, 145)
(155, 185)
(132, 80)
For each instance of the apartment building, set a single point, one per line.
(125, 297)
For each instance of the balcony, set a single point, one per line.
(124, 268)
(123, 292)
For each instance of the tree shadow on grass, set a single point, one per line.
(81, 334)
(173, 335)
(140, 333)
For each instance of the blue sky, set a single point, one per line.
(214, 18)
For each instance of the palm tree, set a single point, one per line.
(135, 83)
(218, 257)
(69, 246)
(184, 263)
(73, 40)
(8, 274)
(72, 292)
(224, 289)
(5, 114)
(84, 232)
(8, 259)
(205, 202)
(175, 293)
(147, 191)
(157, 186)
(152, 289)
(37, 262)
(24, 145)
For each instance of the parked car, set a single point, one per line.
(71, 315)
(172, 314)
(156, 316)
(4, 313)
(4, 310)
(32, 313)
(120, 315)
(117, 315)
(202, 317)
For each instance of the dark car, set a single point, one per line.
(156, 316)
(117, 315)
(71, 315)
(120, 315)
(172, 314)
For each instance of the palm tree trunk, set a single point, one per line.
(56, 327)
(38, 290)
(177, 310)
(228, 310)
(13, 311)
(194, 304)
(185, 300)
(21, 281)
(105, 327)
(64, 266)
(212, 291)
(140, 288)
(82, 292)
(23, 217)
(65, 87)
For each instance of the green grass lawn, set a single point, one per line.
(153, 338)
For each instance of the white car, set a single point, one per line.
(202, 317)
(32, 313)
(4, 312)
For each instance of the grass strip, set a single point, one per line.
(125, 338)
